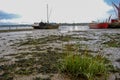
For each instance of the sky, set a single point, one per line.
(60, 11)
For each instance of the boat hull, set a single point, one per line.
(46, 27)
(114, 25)
(98, 25)
(42, 25)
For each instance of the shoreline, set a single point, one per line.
(13, 30)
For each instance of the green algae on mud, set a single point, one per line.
(44, 40)
(51, 39)
(2, 59)
(113, 40)
(40, 56)
(112, 43)
(44, 63)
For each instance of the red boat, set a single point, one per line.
(115, 23)
(98, 25)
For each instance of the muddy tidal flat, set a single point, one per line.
(34, 54)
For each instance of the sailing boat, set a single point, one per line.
(46, 25)
(115, 23)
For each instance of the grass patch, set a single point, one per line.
(84, 67)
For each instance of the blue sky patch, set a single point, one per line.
(5, 15)
(109, 2)
(112, 11)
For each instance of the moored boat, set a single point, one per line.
(42, 25)
(45, 25)
(114, 23)
(93, 25)
(98, 25)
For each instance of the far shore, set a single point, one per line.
(12, 30)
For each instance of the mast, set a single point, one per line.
(47, 15)
(118, 9)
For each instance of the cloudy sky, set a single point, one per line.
(30, 11)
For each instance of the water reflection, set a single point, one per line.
(72, 28)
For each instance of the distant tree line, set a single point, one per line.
(16, 25)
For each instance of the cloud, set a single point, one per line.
(5, 15)
(62, 10)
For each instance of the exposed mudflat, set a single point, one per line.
(15, 46)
